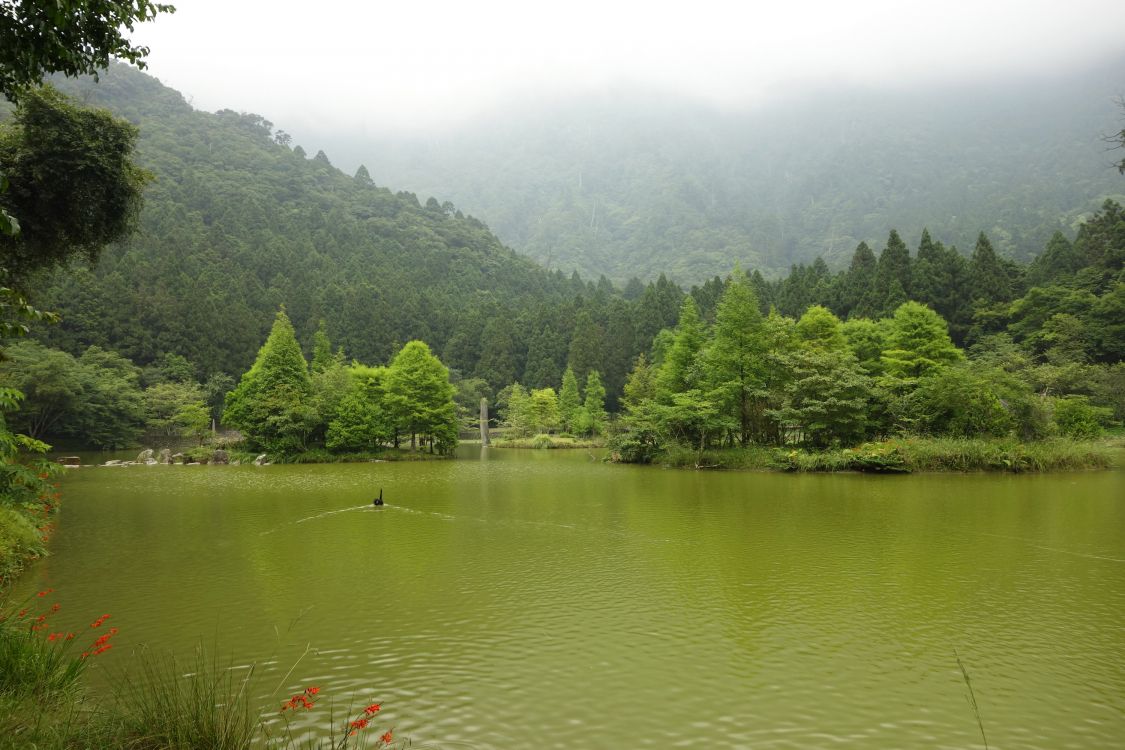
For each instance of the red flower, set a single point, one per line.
(359, 724)
(312, 690)
(386, 737)
(55, 607)
(372, 709)
(98, 622)
(44, 592)
(297, 700)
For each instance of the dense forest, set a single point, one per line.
(634, 183)
(238, 223)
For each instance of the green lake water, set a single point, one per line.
(538, 599)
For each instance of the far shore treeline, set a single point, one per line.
(238, 223)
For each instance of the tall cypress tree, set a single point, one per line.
(272, 403)
(681, 368)
(736, 358)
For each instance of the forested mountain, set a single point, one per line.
(629, 183)
(236, 224)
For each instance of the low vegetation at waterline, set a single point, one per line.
(156, 703)
(905, 455)
(544, 440)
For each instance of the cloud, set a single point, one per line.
(389, 65)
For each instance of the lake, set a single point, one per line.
(540, 599)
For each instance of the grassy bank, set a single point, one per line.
(157, 702)
(21, 541)
(548, 441)
(910, 454)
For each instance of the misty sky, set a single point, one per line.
(376, 65)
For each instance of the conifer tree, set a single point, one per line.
(586, 345)
(988, 278)
(420, 398)
(593, 414)
(918, 343)
(819, 329)
(681, 369)
(272, 403)
(569, 401)
(736, 358)
(893, 274)
(322, 356)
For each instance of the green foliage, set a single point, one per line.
(918, 343)
(826, 399)
(73, 184)
(20, 540)
(173, 407)
(518, 416)
(735, 361)
(1077, 418)
(361, 421)
(272, 403)
(681, 367)
(819, 329)
(592, 417)
(95, 398)
(569, 401)
(84, 36)
(544, 406)
(968, 400)
(419, 398)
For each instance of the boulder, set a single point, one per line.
(145, 456)
(114, 462)
(70, 461)
(260, 460)
(220, 457)
(177, 458)
(165, 456)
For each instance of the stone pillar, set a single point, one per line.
(484, 421)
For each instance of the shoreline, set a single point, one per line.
(908, 455)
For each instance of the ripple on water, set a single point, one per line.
(551, 602)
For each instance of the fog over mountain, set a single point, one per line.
(634, 181)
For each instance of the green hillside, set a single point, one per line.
(236, 224)
(637, 184)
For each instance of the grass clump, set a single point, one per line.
(544, 441)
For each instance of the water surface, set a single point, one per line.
(523, 599)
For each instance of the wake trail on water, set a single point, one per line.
(1035, 544)
(545, 525)
(1032, 543)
